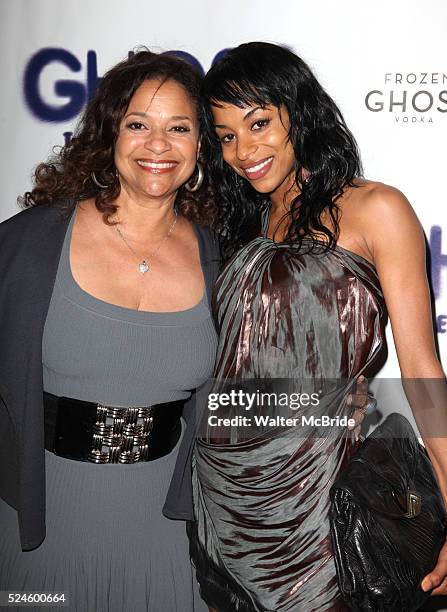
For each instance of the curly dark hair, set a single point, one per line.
(67, 176)
(259, 73)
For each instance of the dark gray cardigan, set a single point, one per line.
(30, 248)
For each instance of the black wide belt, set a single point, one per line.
(98, 433)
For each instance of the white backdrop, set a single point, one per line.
(355, 48)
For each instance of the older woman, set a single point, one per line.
(105, 329)
(316, 256)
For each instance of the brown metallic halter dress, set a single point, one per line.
(261, 540)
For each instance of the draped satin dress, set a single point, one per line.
(261, 540)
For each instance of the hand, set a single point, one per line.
(437, 578)
(362, 402)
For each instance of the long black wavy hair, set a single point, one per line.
(326, 154)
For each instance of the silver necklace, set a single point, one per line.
(144, 264)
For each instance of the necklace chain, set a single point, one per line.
(144, 264)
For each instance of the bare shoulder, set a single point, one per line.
(380, 211)
(376, 202)
(376, 218)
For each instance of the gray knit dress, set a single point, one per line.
(108, 546)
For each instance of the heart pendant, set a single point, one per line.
(143, 267)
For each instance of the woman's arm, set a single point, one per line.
(396, 241)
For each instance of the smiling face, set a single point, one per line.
(157, 145)
(256, 144)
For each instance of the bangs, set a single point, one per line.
(239, 93)
(253, 74)
(241, 83)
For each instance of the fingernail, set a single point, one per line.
(349, 402)
(426, 585)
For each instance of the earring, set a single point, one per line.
(97, 183)
(199, 181)
(305, 175)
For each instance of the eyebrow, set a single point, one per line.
(143, 114)
(247, 116)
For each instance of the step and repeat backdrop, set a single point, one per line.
(384, 63)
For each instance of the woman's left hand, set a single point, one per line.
(437, 578)
(360, 400)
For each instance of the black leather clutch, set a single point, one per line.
(387, 521)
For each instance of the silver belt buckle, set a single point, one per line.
(121, 435)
